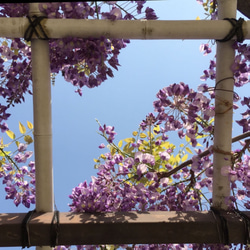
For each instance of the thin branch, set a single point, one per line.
(203, 154)
(9, 159)
(240, 137)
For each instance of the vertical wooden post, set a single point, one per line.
(42, 121)
(223, 110)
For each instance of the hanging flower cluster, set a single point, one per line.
(241, 69)
(184, 110)
(20, 184)
(18, 175)
(83, 62)
(131, 177)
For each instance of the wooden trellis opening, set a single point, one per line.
(125, 227)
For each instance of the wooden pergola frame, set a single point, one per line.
(123, 227)
(156, 227)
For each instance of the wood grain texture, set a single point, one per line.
(121, 228)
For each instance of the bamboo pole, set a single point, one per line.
(42, 122)
(223, 111)
(138, 29)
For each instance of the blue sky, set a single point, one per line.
(123, 101)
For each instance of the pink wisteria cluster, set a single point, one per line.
(82, 62)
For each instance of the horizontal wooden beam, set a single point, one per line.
(130, 29)
(122, 228)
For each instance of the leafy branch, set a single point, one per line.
(9, 158)
(203, 154)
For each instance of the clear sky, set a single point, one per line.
(123, 101)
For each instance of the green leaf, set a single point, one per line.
(201, 136)
(30, 125)
(171, 160)
(28, 139)
(187, 139)
(189, 150)
(4, 153)
(142, 135)
(110, 247)
(10, 134)
(96, 160)
(103, 156)
(120, 143)
(165, 144)
(135, 133)
(184, 158)
(129, 140)
(113, 150)
(177, 158)
(22, 129)
(126, 147)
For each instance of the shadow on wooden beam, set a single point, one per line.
(121, 228)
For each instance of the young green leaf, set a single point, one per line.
(189, 150)
(187, 139)
(177, 158)
(28, 139)
(30, 125)
(96, 160)
(22, 129)
(184, 158)
(142, 135)
(129, 140)
(120, 143)
(10, 134)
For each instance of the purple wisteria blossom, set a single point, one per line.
(145, 174)
(245, 121)
(205, 49)
(108, 132)
(19, 184)
(183, 110)
(83, 62)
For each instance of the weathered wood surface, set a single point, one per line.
(121, 228)
(244, 7)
